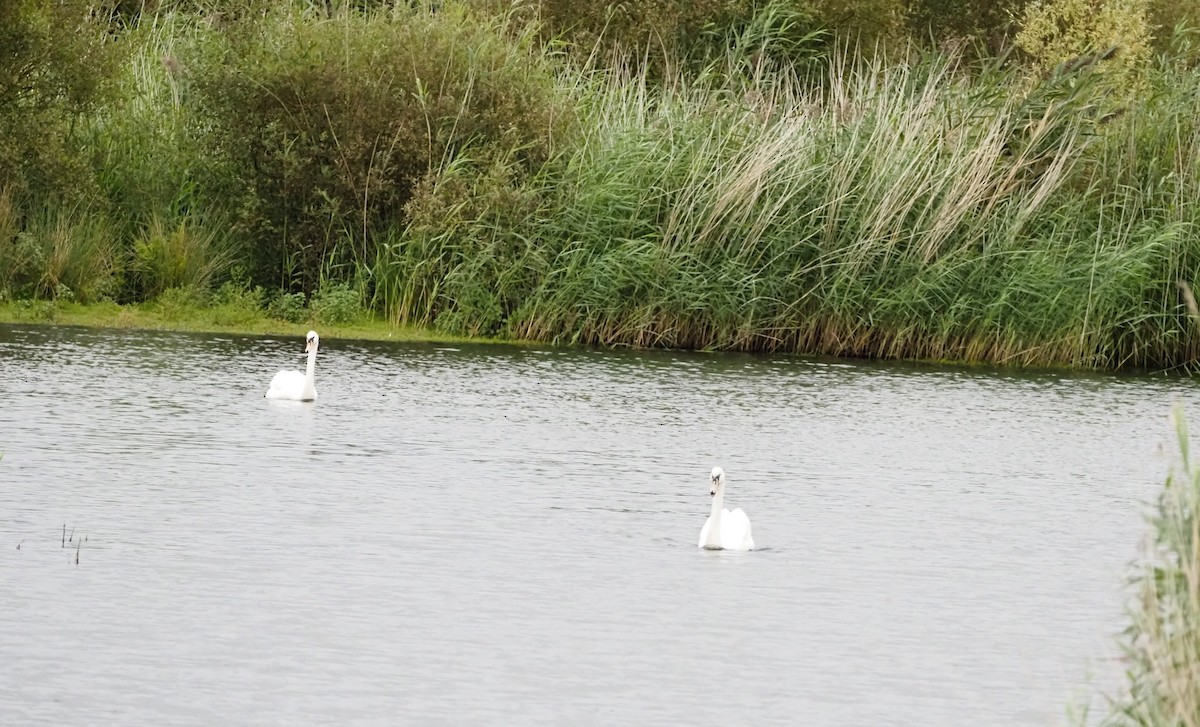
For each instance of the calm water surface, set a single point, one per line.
(492, 535)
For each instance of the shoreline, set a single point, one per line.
(218, 319)
(149, 316)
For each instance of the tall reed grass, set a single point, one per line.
(147, 143)
(1162, 643)
(57, 251)
(887, 209)
(188, 255)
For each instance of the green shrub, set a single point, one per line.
(455, 265)
(1054, 32)
(1167, 16)
(327, 125)
(14, 255)
(21, 259)
(61, 248)
(288, 307)
(666, 32)
(186, 254)
(38, 311)
(176, 303)
(663, 29)
(336, 303)
(239, 294)
(236, 304)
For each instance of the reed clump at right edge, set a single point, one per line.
(1162, 642)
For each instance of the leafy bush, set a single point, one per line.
(145, 141)
(326, 127)
(336, 303)
(895, 210)
(288, 307)
(236, 304)
(186, 255)
(1056, 31)
(1166, 16)
(445, 268)
(13, 255)
(664, 29)
(40, 311)
(240, 295)
(61, 248)
(175, 303)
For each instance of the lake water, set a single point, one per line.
(504, 535)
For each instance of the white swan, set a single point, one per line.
(293, 384)
(724, 529)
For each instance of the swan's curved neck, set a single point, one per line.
(714, 523)
(310, 385)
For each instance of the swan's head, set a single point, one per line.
(311, 342)
(718, 480)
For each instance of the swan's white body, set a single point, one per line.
(724, 530)
(294, 385)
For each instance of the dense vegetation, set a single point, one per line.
(1012, 182)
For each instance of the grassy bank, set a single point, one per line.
(218, 319)
(771, 193)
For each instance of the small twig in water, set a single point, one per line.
(64, 540)
(19, 545)
(71, 537)
(77, 544)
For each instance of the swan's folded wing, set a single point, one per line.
(735, 530)
(286, 385)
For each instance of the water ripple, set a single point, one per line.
(499, 534)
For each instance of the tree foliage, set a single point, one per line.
(55, 63)
(327, 127)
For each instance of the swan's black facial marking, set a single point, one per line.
(716, 483)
